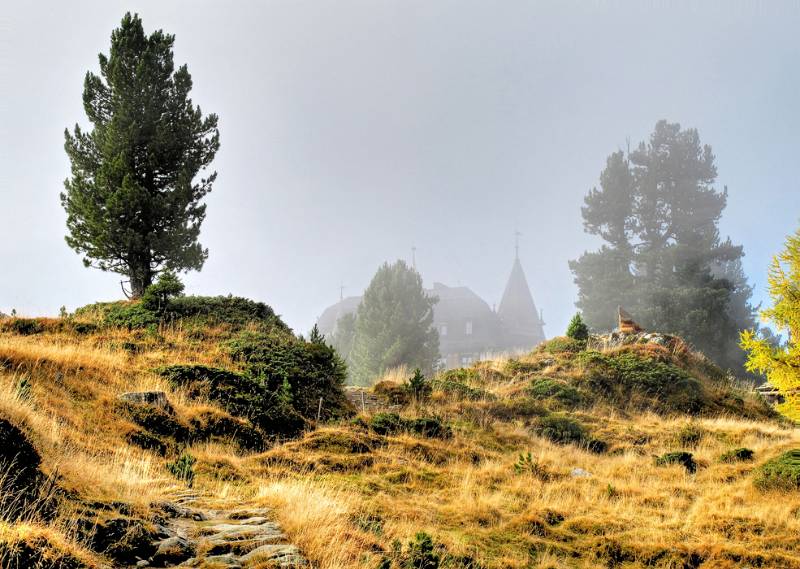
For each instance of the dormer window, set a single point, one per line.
(468, 330)
(443, 330)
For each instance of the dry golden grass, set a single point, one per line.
(341, 503)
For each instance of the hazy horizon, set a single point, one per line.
(353, 131)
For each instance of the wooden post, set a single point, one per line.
(363, 404)
(319, 409)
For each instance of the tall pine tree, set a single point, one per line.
(657, 210)
(394, 325)
(133, 199)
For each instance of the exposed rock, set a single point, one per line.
(580, 473)
(19, 470)
(153, 398)
(172, 551)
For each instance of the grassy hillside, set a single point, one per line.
(571, 456)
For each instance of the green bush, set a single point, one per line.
(162, 306)
(129, 315)
(183, 468)
(313, 370)
(683, 458)
(780, 473)
(421, 554)
(239, 394)
(456, 382)
(615, 376)
(689, 435)
(547, 388)
(26, 326)
(737, 455)
(561, 429)
(563, 344)
(392, 423)
(577, 329)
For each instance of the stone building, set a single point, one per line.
(469, 329)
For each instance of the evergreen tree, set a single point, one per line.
(393, 325)
(133, 197)
(344, 334)
(657, 210)
(577, 329)
(781, 362)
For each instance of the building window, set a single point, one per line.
(443, 330)
(469, 328)
(467, 359)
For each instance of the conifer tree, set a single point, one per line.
(657, 211)
(133, 197)
(393, 325)
(781, 363)
(577, 329)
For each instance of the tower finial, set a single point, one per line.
(341, 292)
(517, 235)
(414, 257)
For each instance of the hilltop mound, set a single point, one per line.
(611, 453)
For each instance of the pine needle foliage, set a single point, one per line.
(133, 199)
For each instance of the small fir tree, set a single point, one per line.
(577, 329)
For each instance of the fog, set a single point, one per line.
(352, 131)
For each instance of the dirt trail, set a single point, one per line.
(225, 538)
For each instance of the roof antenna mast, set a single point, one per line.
(414, 256)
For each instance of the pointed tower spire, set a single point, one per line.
(518, 313)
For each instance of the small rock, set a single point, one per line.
(172, 551)
(580, 473)
(154, 398)
(143, 563)
(228, 561)
(273, 552)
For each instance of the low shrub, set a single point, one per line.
(183, 468)
(780, 473)
(737, 455)
(561, 429)
(616, 376)
(312, 369)
(561, 345)
(560, 391)
(456, 382)
(689, 435)
(392, 423)
(393, 393)
(239, 394)
(683, 458)
(526, 464)
(25, 326)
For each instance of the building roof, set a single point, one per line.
(327, 321)
(518, 311)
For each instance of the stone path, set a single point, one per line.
(222, 539)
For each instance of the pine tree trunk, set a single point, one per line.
(141, 278)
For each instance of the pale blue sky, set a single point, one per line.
(352, 130)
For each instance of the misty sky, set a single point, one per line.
(353, 130)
